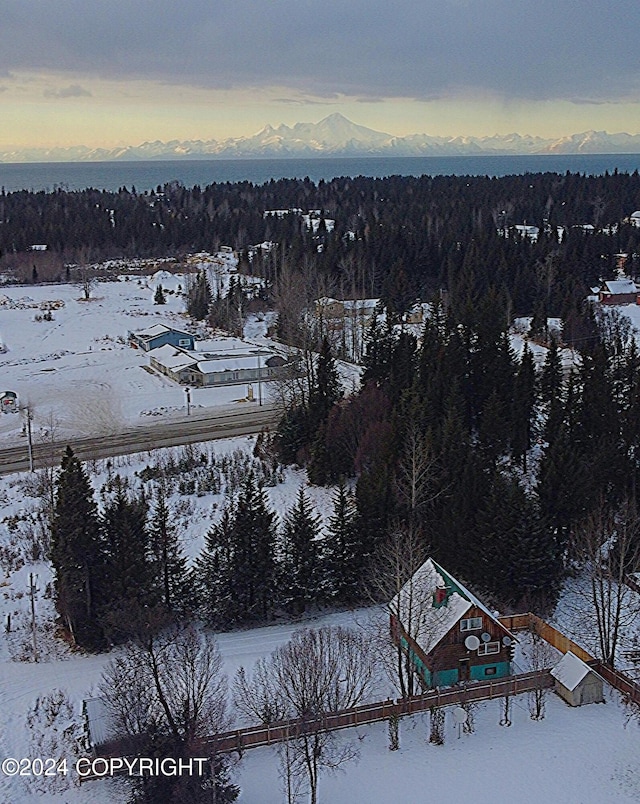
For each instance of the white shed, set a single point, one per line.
(576, 682)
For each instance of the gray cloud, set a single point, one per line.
(72, 91)
(579, 50)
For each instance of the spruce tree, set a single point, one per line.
(253, 565)
(169, 562)
(522, 417)
(199, 297)
(212, 573)
(77, 555)
(343, 558)
(159, 297)
(326, 390)
(514, 556)
(301, 568)
(551, 380)
(551, 390)
(128, 569)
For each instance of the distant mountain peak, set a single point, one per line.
(336, 135)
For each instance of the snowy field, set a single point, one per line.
(77, 371)
(575, 756)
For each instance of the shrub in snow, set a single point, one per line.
(56, 733)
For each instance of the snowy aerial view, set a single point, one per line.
(319, 402)
(89, 359)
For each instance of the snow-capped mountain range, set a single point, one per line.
(334, 135)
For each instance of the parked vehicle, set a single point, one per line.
(8, 401)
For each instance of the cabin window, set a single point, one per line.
(472, 624)
(184, 342)
(490, 671)
(487, 648)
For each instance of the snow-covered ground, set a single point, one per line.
(577, 755)
(585, 755)
(77, 371)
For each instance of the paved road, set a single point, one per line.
(168, 433)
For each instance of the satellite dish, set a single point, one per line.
(472, 642)
(485, 637)
(506, 641)
(459, 715)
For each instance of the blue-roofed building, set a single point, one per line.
(159, 335)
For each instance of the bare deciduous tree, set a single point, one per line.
(85, 278)
(539, 655)
(395, 566)
(414, 482)
(317, 672)
(165, 693)
(607, 543)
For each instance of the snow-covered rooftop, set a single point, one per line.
(570, 671)
(99, 721)
(424, 622)
(232, 363)
(157, 329)
(618, 286)
(173, 358)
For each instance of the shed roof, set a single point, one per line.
(99, 721)
(571, 670)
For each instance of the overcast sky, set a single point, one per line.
(123, 71)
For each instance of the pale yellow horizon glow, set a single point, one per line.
(47, 111)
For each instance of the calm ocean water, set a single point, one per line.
(147, 175)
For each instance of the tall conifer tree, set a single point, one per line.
(343, 553)
(77, 555)
(301, 567)
(128, 580)
(169, 562)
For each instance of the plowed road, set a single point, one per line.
(187, 430)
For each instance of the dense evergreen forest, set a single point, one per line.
(453, 445)
(397, 237)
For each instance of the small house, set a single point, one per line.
(576, 682)
(450, 636)
(619, 291)
(414, 315)
(159, 335)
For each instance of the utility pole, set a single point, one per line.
(187, 391)
(27, 427)
(32, 593)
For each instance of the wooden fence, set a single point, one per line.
(619, 680)
(255, 736)
(616, 678)
(530, 622)
(261, 735)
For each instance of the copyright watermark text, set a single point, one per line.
(102, 767)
